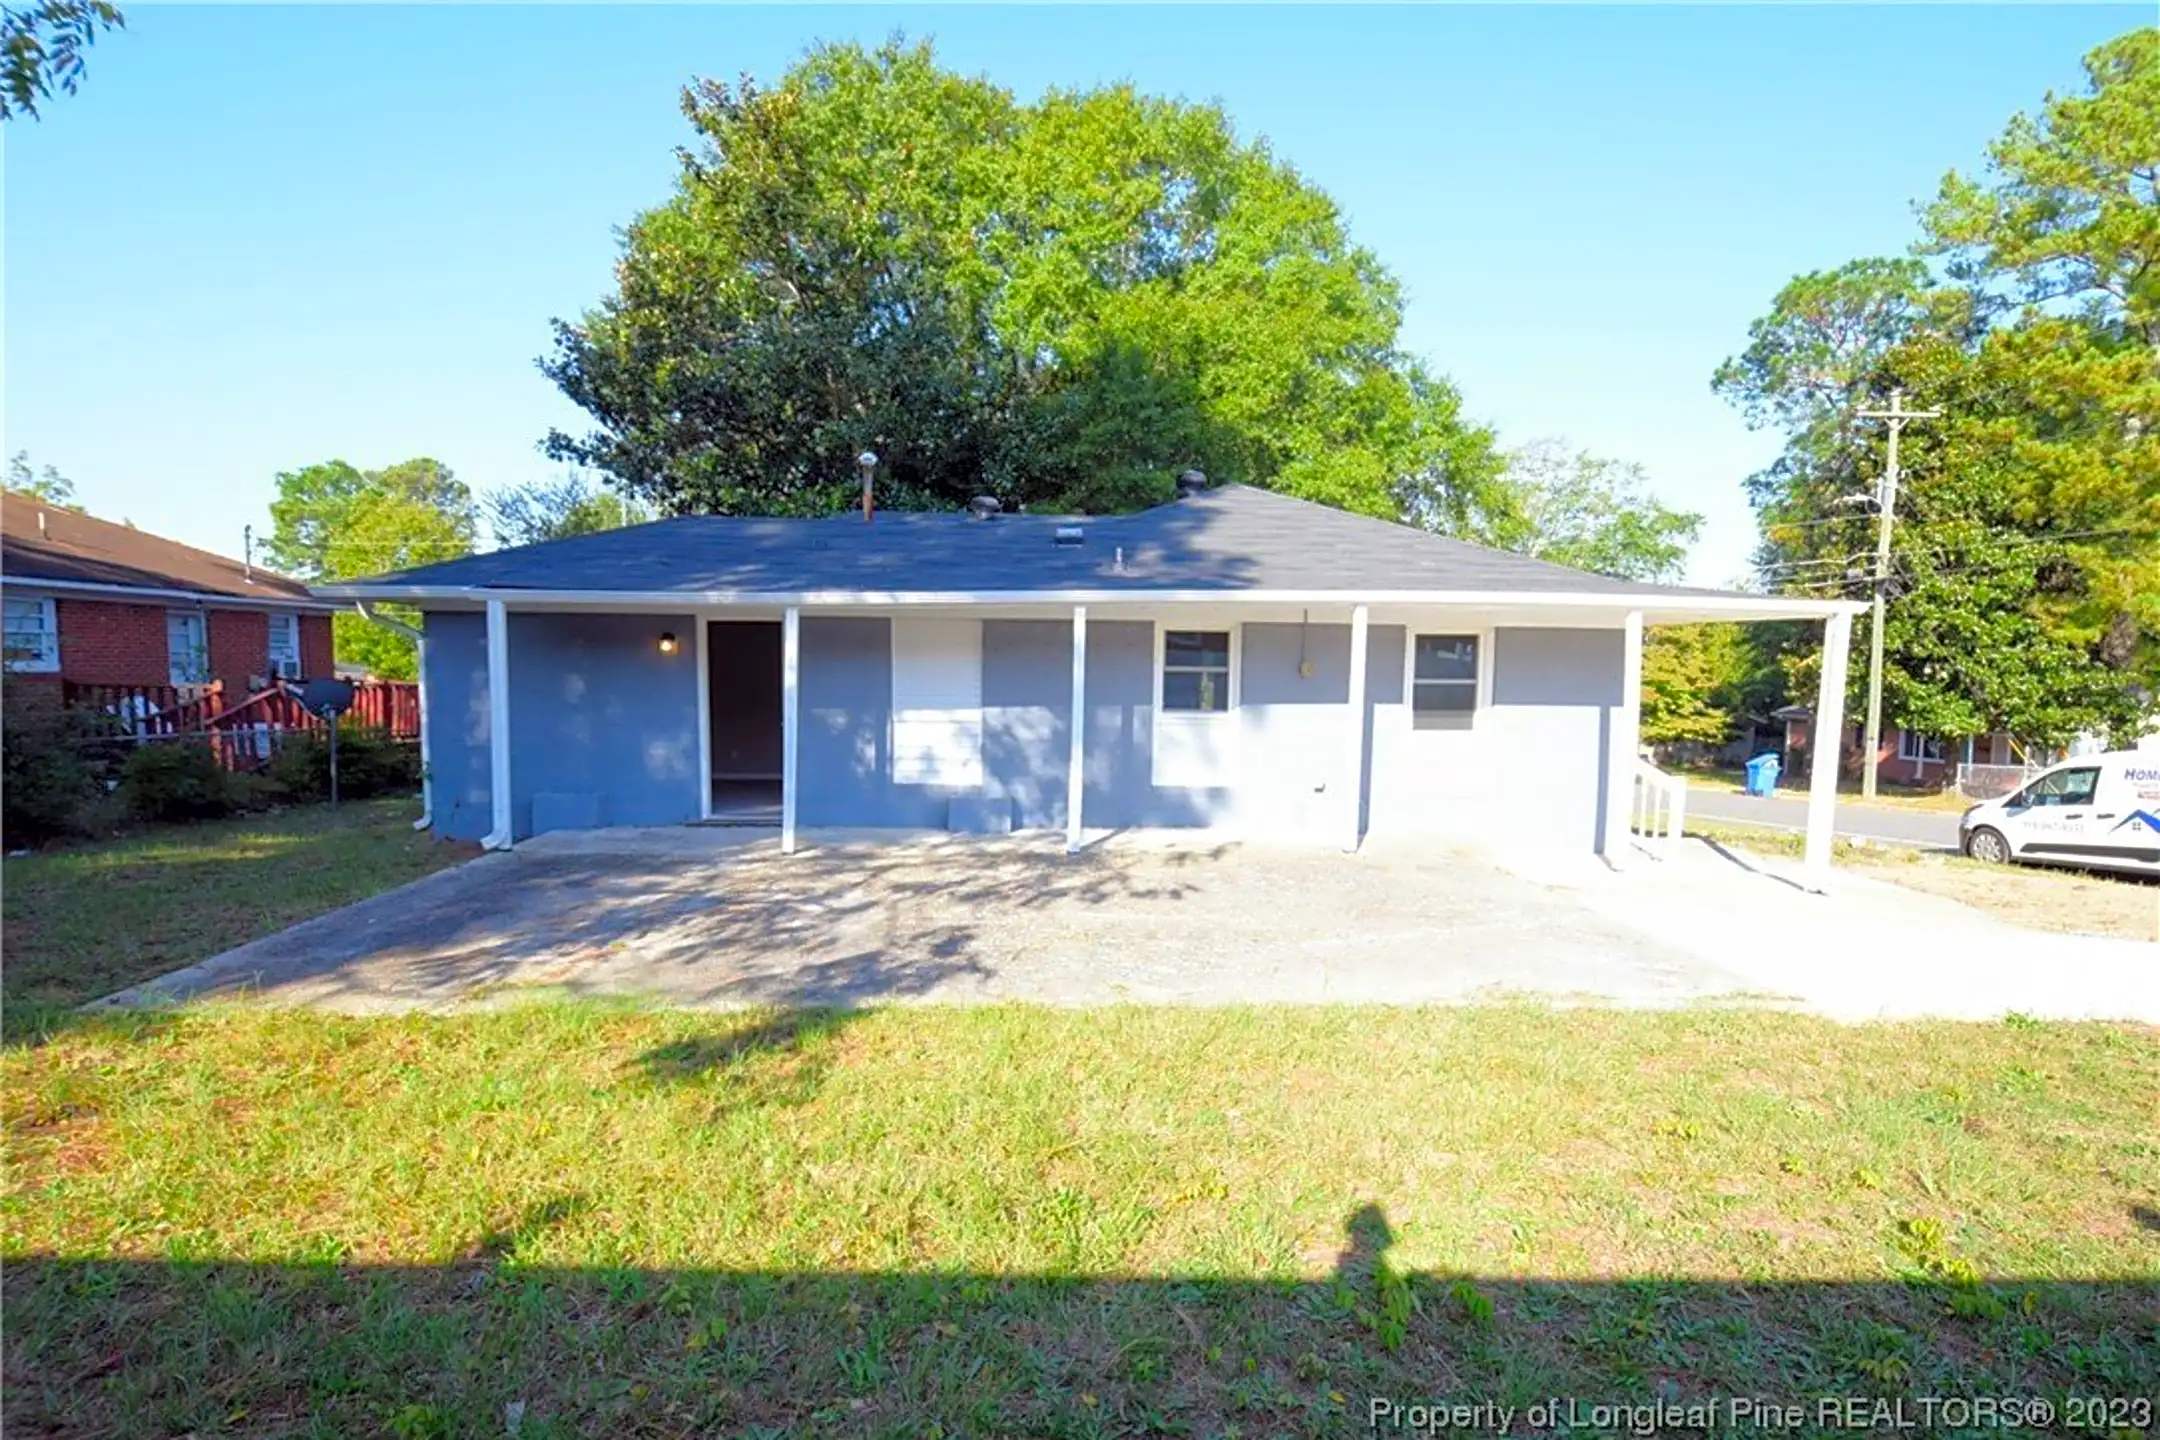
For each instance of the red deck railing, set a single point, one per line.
(243, 735)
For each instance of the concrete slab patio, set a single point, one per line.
(716, 917)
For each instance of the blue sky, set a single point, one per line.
(264, 236)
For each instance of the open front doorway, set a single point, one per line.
(743, 695)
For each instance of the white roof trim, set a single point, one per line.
(151, 592)
(1712, 606)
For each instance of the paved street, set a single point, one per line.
(1906, 827)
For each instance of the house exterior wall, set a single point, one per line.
(456, 716)
(112, 642)
(318, 645)
(239, 648)
(125, 642)
(603, 731)
(1027, 719)
(1532, 767)
(603, 727)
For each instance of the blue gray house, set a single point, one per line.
(1234, 659)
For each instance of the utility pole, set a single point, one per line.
(1886, 507)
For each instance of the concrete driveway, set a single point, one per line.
(719, 918)
(715, 917)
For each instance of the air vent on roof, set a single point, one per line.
(1191, 483)
(984, 507)
(1068, 535)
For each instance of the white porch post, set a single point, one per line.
(1623, 741)
(1075, 773)
(498, 667)
(427, 767)
(1826, 736)
(704, 719)
(1351, 828)
(790, 721)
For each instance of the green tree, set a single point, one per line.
(44, 45)
(1575, 508)
(2070, 206)
(1061, 303)
(2022, 590)
(554, 510)
(45, 483)
(1695, 683)
(333, 521)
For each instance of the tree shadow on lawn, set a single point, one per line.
(492, 1345)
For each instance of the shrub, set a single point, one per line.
(369, 763)
(55, 780)
(178, 780)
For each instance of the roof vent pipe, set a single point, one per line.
(1191, 483)
(984, 507)
(868, 462)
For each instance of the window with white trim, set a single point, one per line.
(285, 646)
(33, 633)
(1196, 670)
(187, 647)
(1443, 681)
(1197, 731)
(1911, 745)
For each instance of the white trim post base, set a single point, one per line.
(1075, 770)
(498, 666)
(1825, 735)
(1622, 744)
(704, 718)
(790, 721)
(1353, 823)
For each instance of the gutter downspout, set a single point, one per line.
(427, 771)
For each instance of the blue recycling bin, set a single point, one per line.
(1762, 774)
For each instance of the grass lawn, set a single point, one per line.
(91, 919)
(2071, 902)
(584, 1221)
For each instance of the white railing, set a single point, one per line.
(1657, 812)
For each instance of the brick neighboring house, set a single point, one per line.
(1907, 757)
(89, 602)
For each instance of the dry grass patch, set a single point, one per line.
(2067, 902)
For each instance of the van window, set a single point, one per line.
(2063, 787)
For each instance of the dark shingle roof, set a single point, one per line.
(84, 550)
(1229, 538)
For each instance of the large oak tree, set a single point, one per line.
(1062, 303)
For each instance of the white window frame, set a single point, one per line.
(1230, 665)
(1912, 746)
(292, 619)
(1483, 634)
(47, 660)
(173, 673)
(1223, 729)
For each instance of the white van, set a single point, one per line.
(2100, 811)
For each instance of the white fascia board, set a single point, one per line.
(214, 599)
(1670, 609)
